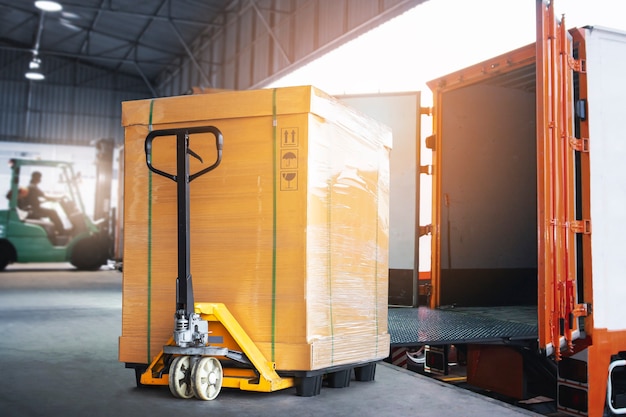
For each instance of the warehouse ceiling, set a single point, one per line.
(144, 38)
(129, 36)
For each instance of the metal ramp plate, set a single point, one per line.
(420, 326)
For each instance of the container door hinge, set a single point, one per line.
(425, 230)
(426, 169)
(582, 310)
(426, 111)
(425, 289)
(578, 65)
(580, 145)
(581, 226)
(431, 142)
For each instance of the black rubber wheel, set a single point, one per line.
(90, 253)
(7, 254)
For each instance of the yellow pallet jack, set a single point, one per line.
(195, 361)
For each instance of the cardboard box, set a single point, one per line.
(290, 231)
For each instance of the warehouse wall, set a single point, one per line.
(253, 43)
(75, 105)
(257, 42)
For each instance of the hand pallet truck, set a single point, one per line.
(192, 363)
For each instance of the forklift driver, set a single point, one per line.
(32, 203)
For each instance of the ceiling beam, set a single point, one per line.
(270, 31)
(130, 13)
(190, 54)
(86, 58)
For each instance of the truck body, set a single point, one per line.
(526, 281)
(527, 203)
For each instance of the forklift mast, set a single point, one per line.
(104, 174)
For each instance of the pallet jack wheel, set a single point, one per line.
(180, 377)
(207, 378)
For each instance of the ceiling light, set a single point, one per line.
(34, 75)
(68, 24)
(34, 71)
(70, 15)
(48, 6)
(35, 63)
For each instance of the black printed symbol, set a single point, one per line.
(289, 177)
(289, 137)
(289, 158)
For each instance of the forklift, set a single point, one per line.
(86, 244)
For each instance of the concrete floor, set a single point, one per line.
(58, 357)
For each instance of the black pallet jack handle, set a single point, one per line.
(184, 286)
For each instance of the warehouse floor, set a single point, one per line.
(58, 357)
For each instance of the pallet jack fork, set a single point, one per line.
(192, 363)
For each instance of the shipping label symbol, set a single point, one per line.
(289, 159)
(289, 137)
(289, 181)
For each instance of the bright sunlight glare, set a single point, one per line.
(438, 37)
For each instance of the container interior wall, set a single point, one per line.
(489, 196)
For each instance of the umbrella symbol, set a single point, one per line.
(289, 157)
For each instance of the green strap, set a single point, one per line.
(150, 243)
(376, 267)
(275, 186)
(329, 270)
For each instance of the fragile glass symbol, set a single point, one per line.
(289, 176)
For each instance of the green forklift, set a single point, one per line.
(85, 243)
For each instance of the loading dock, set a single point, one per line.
(425, 326)
(61, 359)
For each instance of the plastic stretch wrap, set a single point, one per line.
(290, 232)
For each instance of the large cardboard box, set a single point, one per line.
(290, 231)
